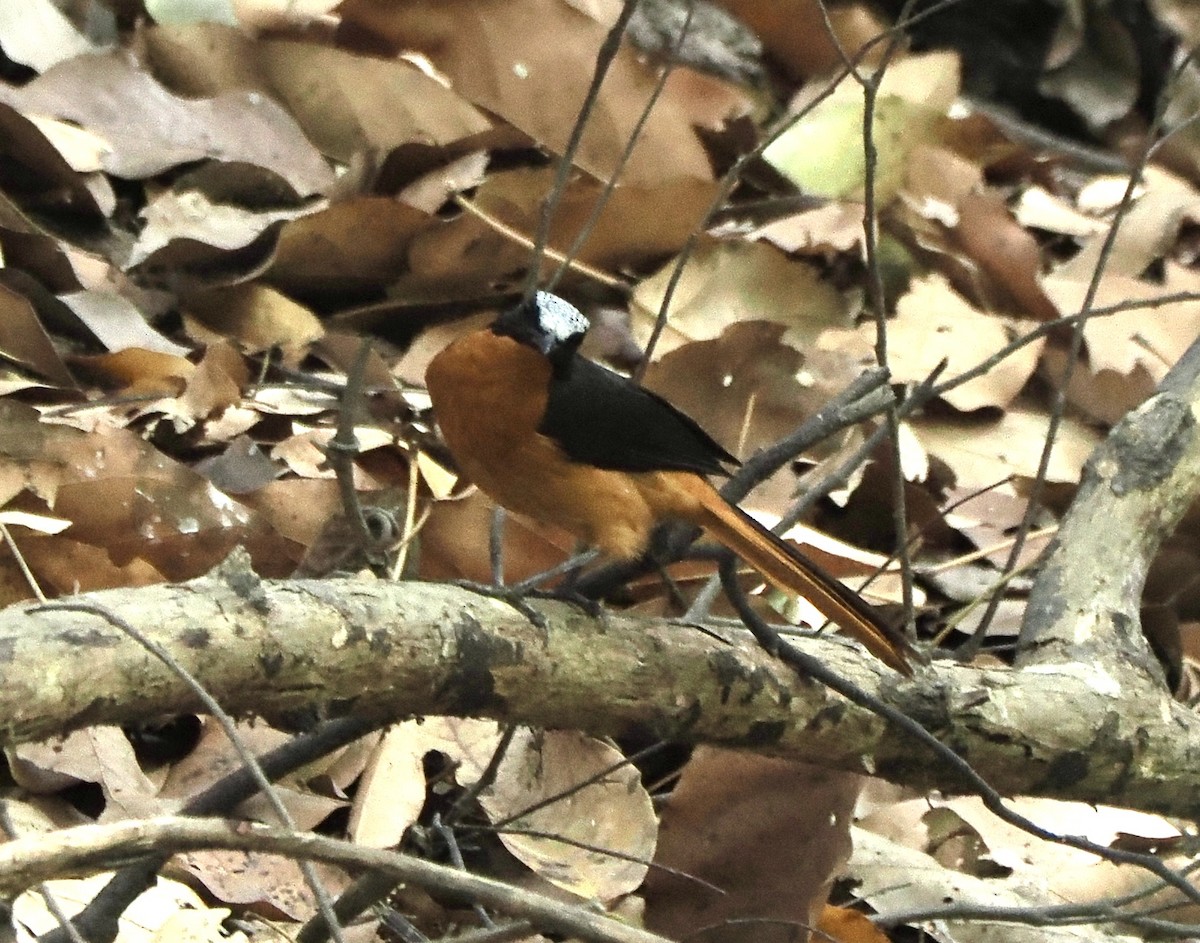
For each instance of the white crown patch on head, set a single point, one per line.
(559, 319)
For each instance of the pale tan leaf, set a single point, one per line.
(613, 813)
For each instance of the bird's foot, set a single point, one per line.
(518, 595)
(585, 604)
(515, 596)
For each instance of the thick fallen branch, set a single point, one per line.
(395, 650)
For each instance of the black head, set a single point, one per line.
(547, 323)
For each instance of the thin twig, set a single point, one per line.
(610, 184)
(604, 59)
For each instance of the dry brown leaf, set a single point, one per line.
(1146, 232)
(731, 282)
(988, 518)
(37, 34)
(305, 451)
(117, 323)
(934, 323)
(891, 877)
(148, 129)
(186, 227)
(970, 226)
(362, 242)
(68, 566)
(350, 104)
(241, 469)
(296, 507)
(769, 833)
(217, 382)
(255, 315)
(454, 542)
(1103, 396)
(35, 142)
(536, 78)
(214, 756)
(126, 497)
(429, 192)
(152, 910)
(202, 60)
(1038, 208)
(273, 885)
(980, 452)
(1128, 352)
(1153, 338)
(101, 755)
(24, 341)
(1004, 250)
(613, 813)
(835, 227)
(794, 32)
(1012, 847)
(139, 372)
(392, 792)
(637, 227)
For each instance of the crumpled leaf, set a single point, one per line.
(536, 78)
(149, 129)
(614, 813)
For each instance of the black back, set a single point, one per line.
(601, 418)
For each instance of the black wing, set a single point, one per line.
(601, 418)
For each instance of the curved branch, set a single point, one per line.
(89, 848)
(1137, 485)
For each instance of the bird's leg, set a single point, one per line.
(571, 568)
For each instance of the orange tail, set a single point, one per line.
(785, 567)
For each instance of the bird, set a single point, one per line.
(550, 434)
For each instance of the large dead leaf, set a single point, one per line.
(730, 282)
(186, 227)
(610, 814)
(24, 341)
(128, 500)
(148, 129)
(101, 755)
(162, 907)
(270, 884)
(822, 153)
(349, 104)
(118, 324)
(771, 835)
(935, 323)
(392, 792)
(639, 225)
(346, 104)
(351, 245)
(535, 78)
(37, 34)
(1146, 232)
(982, 451)
(891, 877)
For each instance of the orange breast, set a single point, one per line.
(489, 395)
